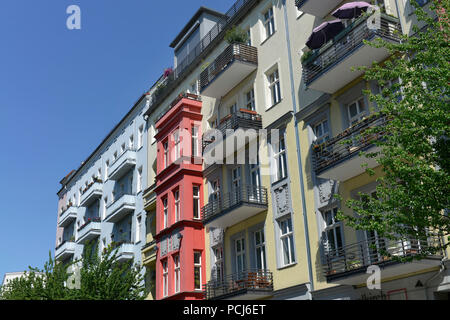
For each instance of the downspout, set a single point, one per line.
(299, 157)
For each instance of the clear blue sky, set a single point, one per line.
(61, 92)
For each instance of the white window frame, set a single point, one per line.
(268, 20)
(261, 247)
(140, 136)
(196, 198)
(332, 225)
(195, 141)
(280, 158)
(138, 229)
(165, 270)
(176, 197)
(177, 273)
(139, 180)
(239, 253)
(177, 144)
(166, 153)
(287, 236)
(218, 263)
(198, 265)
(165, 202)
(360, 115)
(273, 79)
(250, 101)
(321, 131)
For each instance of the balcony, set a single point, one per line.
(124, 250)
(68, 216)
(247, 285)
(348, 265)
(337, 57)
(125, 162)
(65, 250)
(338, 158)
(93, 192)
(232, 66)
(234, 207)
(243, 119)
(149, 252)
(89, 230)
(318, 8)
(118, 209)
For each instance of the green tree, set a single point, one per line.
(93, 277)
(412, 197)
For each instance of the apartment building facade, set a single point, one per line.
(341, 111)
(101, 201)
(250, 213)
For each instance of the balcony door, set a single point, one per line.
(374, 244)
(236, 185)
(255, 180)
(239, 251)
(356, 111)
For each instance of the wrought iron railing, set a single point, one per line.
(350, 39)
(248, 280)
(348, 143)
(375, 250)
(244, 119)
(244, 194)
(235, 51)
(169, 83)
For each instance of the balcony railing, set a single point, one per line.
(240, 196)
(68, 216)
(89, 230)
(92, 192)
(234, 52)
(348, 41)
(124, 249)
(244, 119)
(120, 207)
(124, 162)
(358, 256)
(88, 221)
(348, 143)
(249, 281)
(195, 54)
(65, 249)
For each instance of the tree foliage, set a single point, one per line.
(93, 277)
(413, 193)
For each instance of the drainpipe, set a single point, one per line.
(299, 156)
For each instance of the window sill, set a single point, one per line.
(287, 266)
(274, 105)
(267, 39)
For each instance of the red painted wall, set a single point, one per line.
(182, 175)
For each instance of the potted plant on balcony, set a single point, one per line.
(236, 35)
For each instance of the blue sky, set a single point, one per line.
(61, 92)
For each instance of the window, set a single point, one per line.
(197, 270)
(239, 246)
(176, 141)
(250, 100)
(321, 132)
(165, 211)
(196, 196)
(138, 229)
(269, 23)
(99, 173)
(333, 232)
(274, 87)
(176, 196)
(141, 136)
(115, 156)
(131, 142)
(105, 203)
(139, 180)
(260, 250)
(287, 241)
(194, 141)
(166, 154)
(106, 169)
(280, 162)
(177, 273)
(356, 111)
(165, 278)
(218, 263)
(122, 148)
